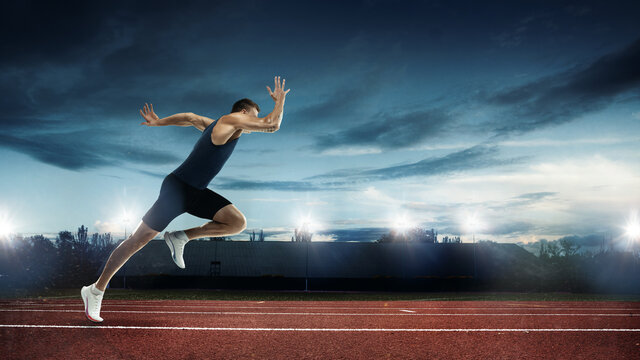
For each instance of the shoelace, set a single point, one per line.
(96, 304)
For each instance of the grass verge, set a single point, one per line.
(265, 295)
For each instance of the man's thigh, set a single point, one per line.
(171, 202)
(207, 203)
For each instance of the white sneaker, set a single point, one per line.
(92, 302)
(175, 241)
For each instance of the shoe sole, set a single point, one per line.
(86, 312)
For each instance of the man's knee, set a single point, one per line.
(232, 218)
(143, 234)
(240, 226)
(239, 223)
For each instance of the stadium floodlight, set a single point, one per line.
(633, 226)
(473, 224)
(306, 222)
(125, 221)
(402, 222)
(5, 228)
(6, 225)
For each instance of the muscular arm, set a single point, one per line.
(275, 117)
(199, 122)
(269, 123)
(180, 119)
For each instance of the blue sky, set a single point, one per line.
(526, 114)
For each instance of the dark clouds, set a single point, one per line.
(390, 132)
(37, 32)
(520, 201)
(81, 150)
(68, 157)
(104, 59)
(68, 63)
(474, 158)
(548, 101)
(566, 96)
(227, 183)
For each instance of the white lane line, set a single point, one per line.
(409, 311)
(332, 307)
(302, 329)
(315, 314)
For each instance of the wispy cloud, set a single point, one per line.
(566, 96)
(565, 142)
(388, 131)
(227, 183)
(82, 149)
(476, 157)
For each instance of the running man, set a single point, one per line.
(185, 188)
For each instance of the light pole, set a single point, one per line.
(306, 274)
(474, 257)
(473, 224)
(307, 238)
(125, 219)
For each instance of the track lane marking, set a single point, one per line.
(331, 307)
(319, 314)
(307, 329)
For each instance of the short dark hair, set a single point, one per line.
(246, 104)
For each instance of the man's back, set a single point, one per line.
(205, 160)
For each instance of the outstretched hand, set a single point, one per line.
(150, 117)
(278, 92)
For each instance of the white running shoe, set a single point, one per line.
(175, 241)
(92, 302)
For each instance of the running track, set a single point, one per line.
(189, 329)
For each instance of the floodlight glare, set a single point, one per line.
(633, 227)
(6, 224)
(305, 222)
(125, 217)
(473, 223)
(402, 222)
(5, 228)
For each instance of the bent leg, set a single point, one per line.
(140, 237)
(226, 221)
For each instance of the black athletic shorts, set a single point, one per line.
(177, 197)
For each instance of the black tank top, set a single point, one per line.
(205, 160)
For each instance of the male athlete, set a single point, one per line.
(185, 188)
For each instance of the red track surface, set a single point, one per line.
(58, 329)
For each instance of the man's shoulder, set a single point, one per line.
(200, 122)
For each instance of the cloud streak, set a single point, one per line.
(564, 97)
(81, 150)
(477, 157)
(389, 132)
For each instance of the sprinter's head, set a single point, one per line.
(247, 106)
